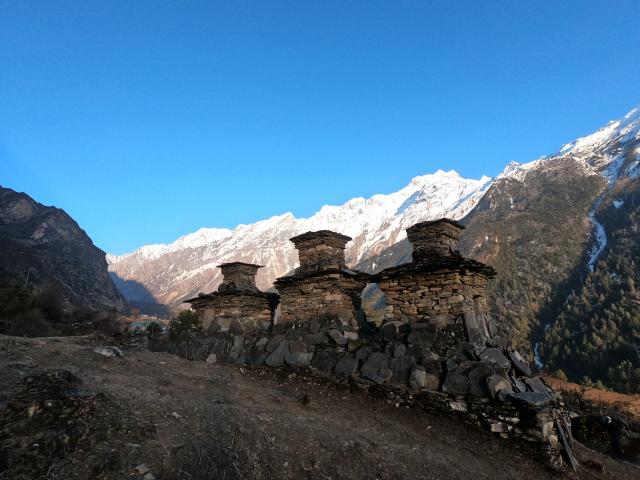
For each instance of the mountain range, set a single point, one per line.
(562, 231)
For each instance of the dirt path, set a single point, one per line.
(193, 420)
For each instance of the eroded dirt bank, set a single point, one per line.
(68, 412)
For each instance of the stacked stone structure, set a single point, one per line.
(438, 346)
(322, 286)
(238, 304)
(440, 289)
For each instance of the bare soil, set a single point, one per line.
(153, 415)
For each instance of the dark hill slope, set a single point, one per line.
(48, 245)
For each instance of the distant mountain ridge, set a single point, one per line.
(46, 245)
(182, 269)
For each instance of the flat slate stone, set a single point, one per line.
(456, 384)
(520, 363)
(537, 385)
(495, 355)
(531, 399)
(474, 332)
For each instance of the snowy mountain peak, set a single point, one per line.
(623, 130)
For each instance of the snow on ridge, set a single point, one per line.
(519, 171)
(443, 190)
(625, 129)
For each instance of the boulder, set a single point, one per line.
(372, 368)
(536, 384)
(498, 385)
(323, 362)
(110, 352)
(495, 355)
(236, 354)
(346, 366)
(389, 331)
(212, 358)
(278, 356)
(299, 354)
(456, 384)
(401, 368)
(520, 363)
(274, 343)
(399, 350)
(478, 380)
(418, 377)
(363, 353)
(337, 337)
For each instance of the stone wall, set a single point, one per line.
(438, 342)
(237, 311)
(489, 385)
(238, 305)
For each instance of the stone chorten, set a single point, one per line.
(322, 287)
(238, 304)
(440, 289)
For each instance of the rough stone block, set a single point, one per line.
(346, 366)
(456, 384)
(274, 343)
(498, 385)
(323, 362)
(372, 368)
(277, 357)
(337, 337)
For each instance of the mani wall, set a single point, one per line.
(437, 346)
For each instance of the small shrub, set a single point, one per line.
(186, 322)
(560, 375)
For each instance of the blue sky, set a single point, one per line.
(148, 120)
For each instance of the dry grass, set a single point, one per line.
(624, 404)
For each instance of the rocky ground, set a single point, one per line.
(68, 411)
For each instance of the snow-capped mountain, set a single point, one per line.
(187, 266)
(173, 272)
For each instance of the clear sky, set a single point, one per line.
(148, 120)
